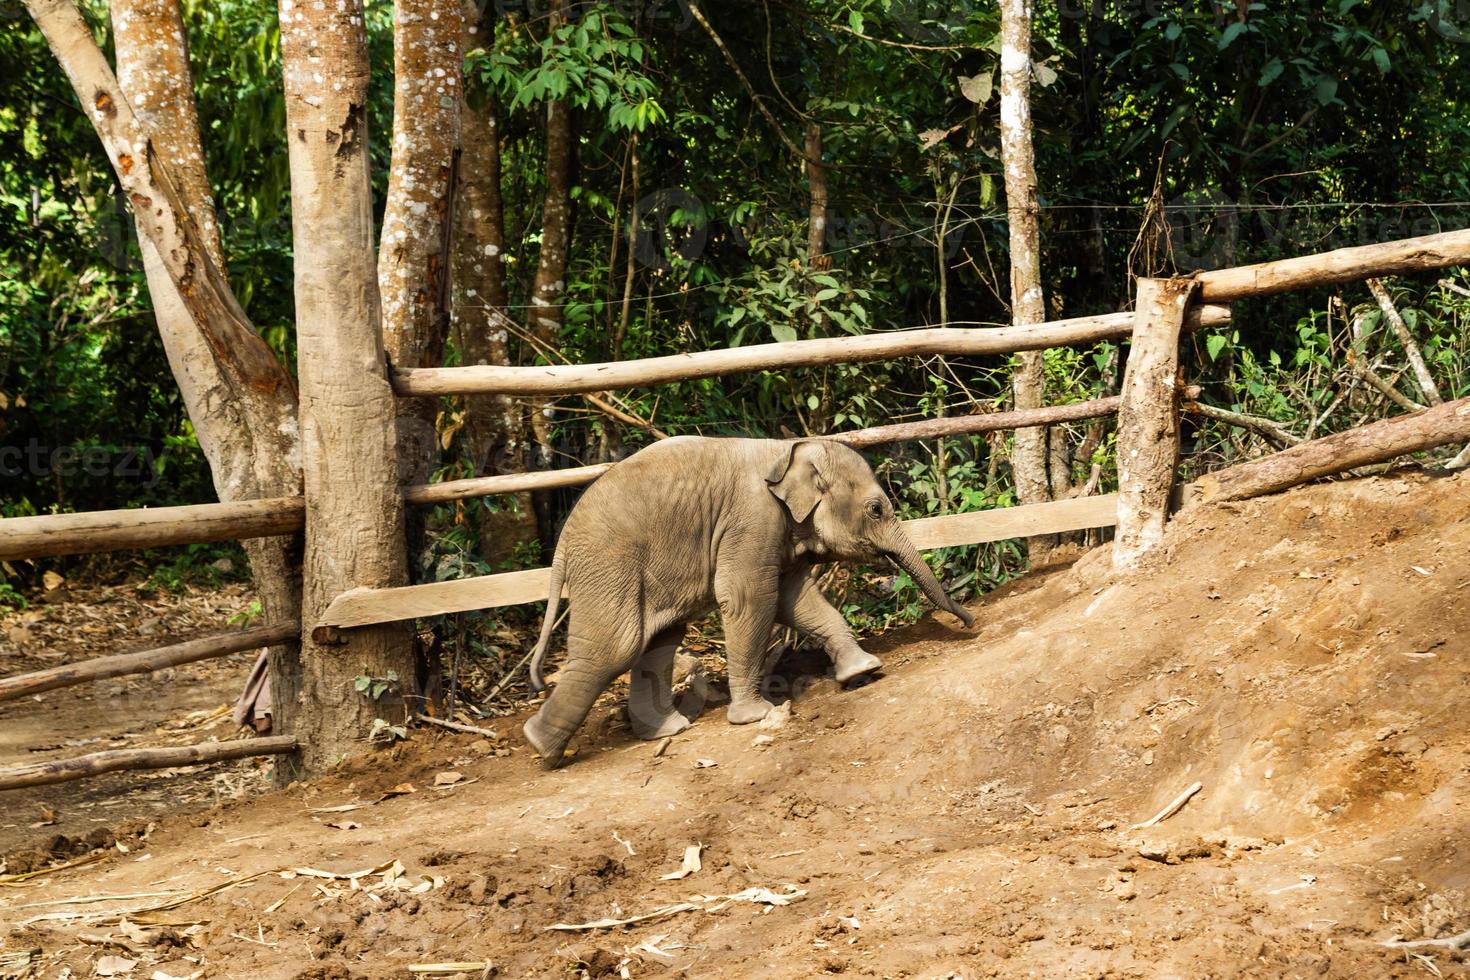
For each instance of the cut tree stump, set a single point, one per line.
(144, 661)
(65, 770)
(1443, 425)
(1148, 419)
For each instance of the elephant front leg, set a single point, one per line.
(651, 709)
(805, 608)
(748, 615)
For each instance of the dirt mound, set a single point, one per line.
(1303, 658)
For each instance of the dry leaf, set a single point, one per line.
(113, 966)
(448, 778)
(52, 581)
(690, 866)
(705, 763)
(402, 789)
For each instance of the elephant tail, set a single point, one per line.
(548, 625)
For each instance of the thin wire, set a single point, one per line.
(995, 215)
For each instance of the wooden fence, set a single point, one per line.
(1148, 448)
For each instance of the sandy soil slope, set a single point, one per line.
(1306, 658)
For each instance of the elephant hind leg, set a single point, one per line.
(651, 709)
(580, 682)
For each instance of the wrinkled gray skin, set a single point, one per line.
(690, 524)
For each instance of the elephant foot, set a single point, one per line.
(671, 724)
(540, 740)
(748, 712)
(855, 664)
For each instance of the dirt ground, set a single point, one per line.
(1304, 658)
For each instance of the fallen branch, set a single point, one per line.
(1379, 442)
(1261, 427)
(1411, 347)
(64, 770)
(1174, 807)
(145, 661)
(606, 408)
(456, 726)
(1454, 287)
(959, 425)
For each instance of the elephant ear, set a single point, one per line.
(796, 479)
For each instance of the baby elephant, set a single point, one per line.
(689, 524)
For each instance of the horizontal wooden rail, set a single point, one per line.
(968, 425)
(144, 661)
(119, 760)
(1334, 268)
(485, 486)
(363, 607)
(565, 379)
(148, 527)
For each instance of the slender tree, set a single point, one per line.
(1029, 460)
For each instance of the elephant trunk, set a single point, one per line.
(907, 557)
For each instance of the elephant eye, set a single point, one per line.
(875, 509)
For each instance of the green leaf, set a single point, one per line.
(1214, 344)
(1271, 72)
(855, 21)
(783, 332)
(812, 402)
(823, 295)
(1172, 32)
(1231, 33)
(1326, 90)
(1380, 58)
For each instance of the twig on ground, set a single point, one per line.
(1460, 941)
(456, 726)
(1174, 807)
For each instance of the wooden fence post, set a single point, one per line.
(1148, 419)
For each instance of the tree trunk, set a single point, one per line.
(816, 179)
(248, 436)
(413, 273)
(1029, 462)
(494, 429)
(354, 516)
(549, 287)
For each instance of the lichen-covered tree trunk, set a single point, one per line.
(1029, 457)
(413, 261)
(354, 514)
(248, 436)
(494, 430)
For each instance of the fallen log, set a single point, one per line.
(149, 527)
(1443, 425)
(120, 760)
(1334, 268)
(566, 379)
(101, 668)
